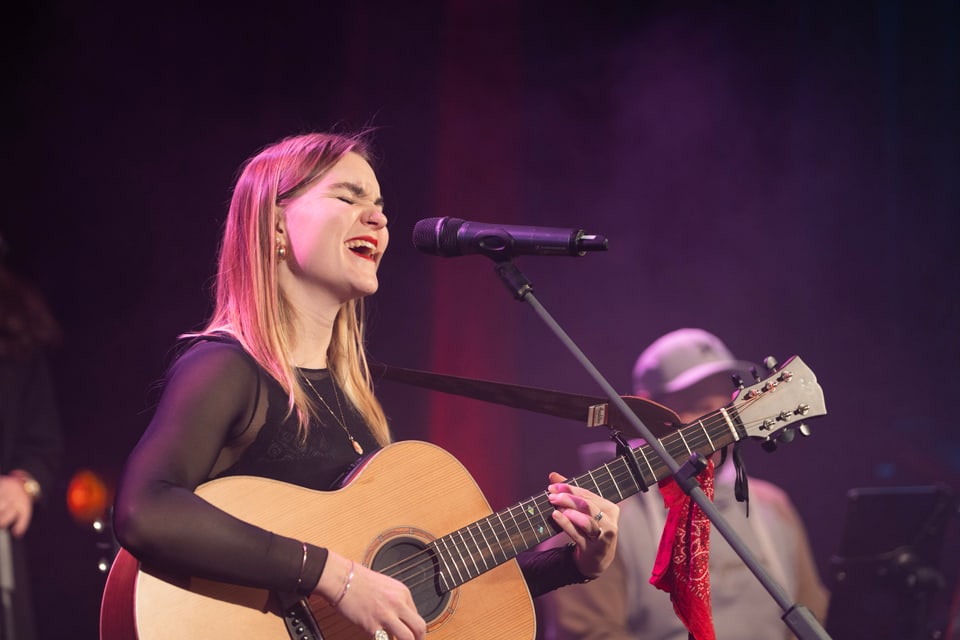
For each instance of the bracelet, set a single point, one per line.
(346, 586)
(303, 565)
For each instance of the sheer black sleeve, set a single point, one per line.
(550, 569)
(210, 392)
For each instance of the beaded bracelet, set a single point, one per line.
(346, 586)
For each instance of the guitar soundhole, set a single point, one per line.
(408, 560)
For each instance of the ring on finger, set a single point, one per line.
(598, 516)
(381, 634)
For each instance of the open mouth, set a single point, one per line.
(363, 247)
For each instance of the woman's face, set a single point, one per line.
(335, 234)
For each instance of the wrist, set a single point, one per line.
(337, 573)
(573, 553)
(30, 485)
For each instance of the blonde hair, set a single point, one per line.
(249, 303)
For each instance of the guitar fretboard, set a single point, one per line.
(484, 545)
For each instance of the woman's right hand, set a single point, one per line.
(372, 600)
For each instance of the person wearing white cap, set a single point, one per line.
(689, 371)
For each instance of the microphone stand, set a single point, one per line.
(7, 585)
(796, 616)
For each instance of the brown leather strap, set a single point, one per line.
(591, 410)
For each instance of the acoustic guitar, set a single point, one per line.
(414, 512)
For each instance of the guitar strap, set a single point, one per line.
(592, 410)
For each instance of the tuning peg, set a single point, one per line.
(737, 381)
(753, 372)
(804, 429)
(770, 363)
(787, 436)
(769, 445)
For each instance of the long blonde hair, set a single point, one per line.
(249, 303)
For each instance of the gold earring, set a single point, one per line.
(281, 250)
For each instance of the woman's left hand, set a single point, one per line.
(589, 520)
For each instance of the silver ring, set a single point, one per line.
(598, 516)
(381, 635)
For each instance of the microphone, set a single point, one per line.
(449, 237)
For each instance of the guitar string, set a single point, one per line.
(419, 562)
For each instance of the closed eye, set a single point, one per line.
(356, 191)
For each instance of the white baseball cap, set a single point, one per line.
(683, 358)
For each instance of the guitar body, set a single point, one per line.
(404, 495)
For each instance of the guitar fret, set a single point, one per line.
(480, 552)
(524, 526)
(699, 443)
(601, 486)
(509, 537)
(466, 548)
(689, 450)
(439, 554)
(496, 538)
(451, 561)
(653, 474)
(462, 564)
(672, 449)
(543, 530)
(704, 429)
(535, 509)
(464, 560)
(626, 471)
(606, 468)
(493, 555)
(458, 564)
(525, 517)
(596, 488)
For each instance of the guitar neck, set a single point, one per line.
(483, 545)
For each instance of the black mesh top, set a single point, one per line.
(221, 414)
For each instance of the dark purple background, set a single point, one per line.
(783, 174)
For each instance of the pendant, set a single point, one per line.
(357, 447)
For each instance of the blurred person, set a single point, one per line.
(689, 371)
(30, 436)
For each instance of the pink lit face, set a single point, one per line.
(335, 234)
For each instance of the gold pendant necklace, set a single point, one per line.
(343, 424)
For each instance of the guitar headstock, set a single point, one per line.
(776, 407)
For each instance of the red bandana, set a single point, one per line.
(682, 568)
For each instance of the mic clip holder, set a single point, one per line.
(513, 278)
(686, 475)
